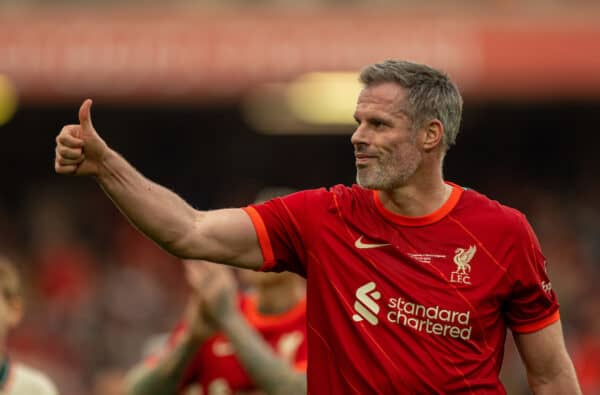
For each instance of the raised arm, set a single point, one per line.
(225, 236)
(549, 367)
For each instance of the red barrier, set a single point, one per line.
(166, 55)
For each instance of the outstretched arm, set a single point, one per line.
(549, 367)
(225, 236)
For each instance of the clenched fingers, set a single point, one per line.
(69, 137)
(68, 154)
(64, 169)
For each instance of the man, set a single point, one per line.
(197, 359)
(412, 281)
(16, 378)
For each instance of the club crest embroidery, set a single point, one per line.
(462, 257)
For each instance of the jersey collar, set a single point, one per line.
(259, 320)
(422, 220)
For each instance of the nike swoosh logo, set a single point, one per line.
(359, 244)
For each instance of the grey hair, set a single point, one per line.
(430, 94)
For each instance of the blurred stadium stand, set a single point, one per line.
(171, 89)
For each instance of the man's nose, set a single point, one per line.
(359, 136)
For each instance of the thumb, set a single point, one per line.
(85, 115)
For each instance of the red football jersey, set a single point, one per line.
(407, 305)
(216, 369)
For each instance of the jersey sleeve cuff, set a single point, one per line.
(536, 326)
(263, 238)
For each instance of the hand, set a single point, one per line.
(79, 149)
(214, 287)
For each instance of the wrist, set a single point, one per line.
(105, 164)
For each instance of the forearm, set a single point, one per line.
(549, 367)
(155, 210)
(560, 382)
(269, 372)
(164, 378)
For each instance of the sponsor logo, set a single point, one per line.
(434, 320)
(218, 386)
(426, 258)
(365, 305)
(462, 257)
(288, 344)
(361, 245)
(547, 286)
(222, 348)
(430, 319)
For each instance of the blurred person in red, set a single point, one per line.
(16, 378)
(412, 280)
(257, 346)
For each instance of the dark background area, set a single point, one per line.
(209, 154)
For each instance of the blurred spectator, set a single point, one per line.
(16, 378)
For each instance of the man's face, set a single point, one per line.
(384, 142)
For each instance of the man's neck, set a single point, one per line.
(418, 198)
(277, 298)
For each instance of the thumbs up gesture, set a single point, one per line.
(79, 148)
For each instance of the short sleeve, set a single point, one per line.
(282, 226)
(533, 304)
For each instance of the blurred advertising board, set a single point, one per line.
(175, 55)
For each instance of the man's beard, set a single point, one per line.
(390, 174)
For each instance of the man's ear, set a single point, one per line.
(433, 134)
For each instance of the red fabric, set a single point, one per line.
(397, 306)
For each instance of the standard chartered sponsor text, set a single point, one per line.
(430, 319)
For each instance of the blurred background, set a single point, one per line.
(219, 99)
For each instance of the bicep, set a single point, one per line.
(225, 236)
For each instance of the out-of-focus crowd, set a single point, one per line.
(96, 290)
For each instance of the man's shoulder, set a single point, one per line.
(328, 198)
(337, 190)
(27, 380)
(477, 205)
(350, 193)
